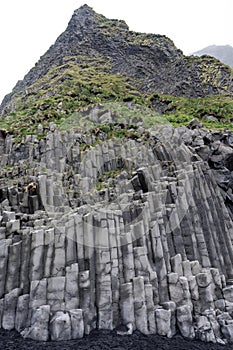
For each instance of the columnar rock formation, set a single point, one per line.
(116, 233)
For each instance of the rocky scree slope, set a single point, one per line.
(117, 227)
(152, 62)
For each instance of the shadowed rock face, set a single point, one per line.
(132, 233)
(152, 61)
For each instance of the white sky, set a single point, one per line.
(29, 27)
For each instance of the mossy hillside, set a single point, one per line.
(96, 44)
(211, 72)
(181, 110)
(81, 82)
(65, 90)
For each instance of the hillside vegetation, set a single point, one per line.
(97, 60)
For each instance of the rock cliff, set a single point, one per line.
(111, 218)
(117, 227)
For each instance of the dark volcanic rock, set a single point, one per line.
(132, 232)
(152, 61)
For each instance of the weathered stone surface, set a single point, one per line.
(203, 279)
(60, 326)
(10, 304)
(55, 293)
(39, 329)
(185, 321)
(22, 312)
(176, 263)
(227, 331)
(163, 321)
(38, 293)
(195, 267)
(204, 330)
(171, 305)
(127, 307)
(77, 325)
(152, 254)
(4, 246)
(150, 309)
(71, 287)
(228, 293)
(140, 310)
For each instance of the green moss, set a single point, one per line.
(210, 71)
(65, 90)
(80, 82)
(181, 110)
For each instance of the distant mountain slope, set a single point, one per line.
(223, 53)
(151, 62)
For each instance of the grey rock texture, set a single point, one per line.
(100, 233)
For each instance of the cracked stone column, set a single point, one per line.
(80, 241)
(39, 329)
(37, 255)
(127, 305)
(89, 310)
(127, 256)
(56, 293)
(140, 310)
(205, 289)
(171, 306)
(71, 287)
(77, 325)
(59, 262)
(159, 262)
(185, 321)
(60, 326)
(22, 312)
(103, 278)
(150, 309)
(25, 261)
(13, 267)
(9, 313)
(116, 265)
(4, 246)
(49, 251)
(71, 246)
(163, 321)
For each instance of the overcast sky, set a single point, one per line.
(29, 27)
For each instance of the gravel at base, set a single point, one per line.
(105, 340)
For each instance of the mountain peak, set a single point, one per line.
(86, 17)
(151, 62)
(83, 12)
(85, 8)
